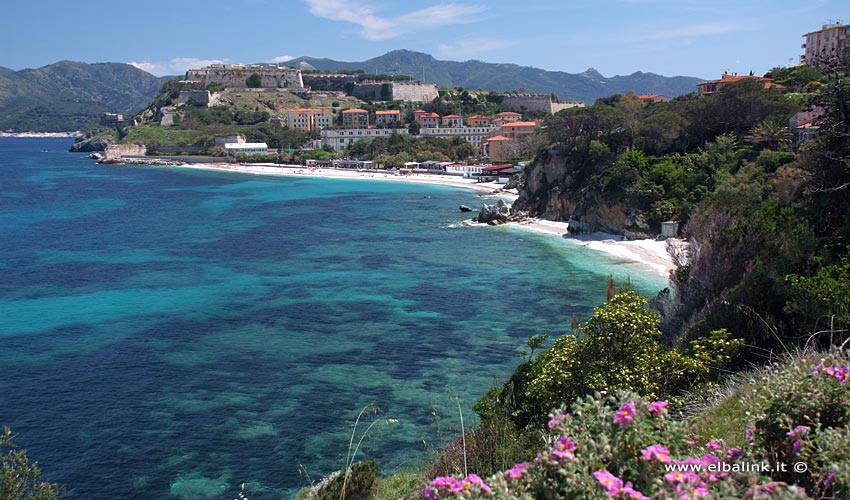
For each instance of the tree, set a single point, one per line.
(19, 477)
(772, 134)
(254, 81)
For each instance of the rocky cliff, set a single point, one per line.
(559, 190)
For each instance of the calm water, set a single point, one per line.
(168, 333)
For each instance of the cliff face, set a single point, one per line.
(557, 190)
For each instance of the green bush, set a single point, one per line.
(19, 478)
(358, 485)
(619, 348)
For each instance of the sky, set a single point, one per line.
(699, 38)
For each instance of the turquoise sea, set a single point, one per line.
(172, 333)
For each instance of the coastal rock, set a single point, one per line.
(464, 208)
(500, 211)
(94, 143)
(556, 190)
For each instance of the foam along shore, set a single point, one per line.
(300, 170)
(648, 252)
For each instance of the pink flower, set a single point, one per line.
(657, 406)
(797, 430)
(796, 445)
(735, 453)
(443, 483)
(681, 477)
(713, 445)
(750, 433)
(473, 479)
(517, 470)
(625, 414)
(629, 492)
(557, 420)
(610, 482)
(828, 479)
(657, 452)
(564, 447)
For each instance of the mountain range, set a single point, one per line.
(70, 95)
(587, 86)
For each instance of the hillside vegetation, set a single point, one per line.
(71, 95)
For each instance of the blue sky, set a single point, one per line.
(699, 38)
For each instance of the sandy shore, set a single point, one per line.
(651, 253)
(302, 171)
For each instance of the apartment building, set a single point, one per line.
(832, 40)
(355, 118)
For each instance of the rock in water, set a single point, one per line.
(464, 208)
(500, 211)
(96, 143)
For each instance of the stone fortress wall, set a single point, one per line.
(271, 76)
(396, 91)
(536, 102)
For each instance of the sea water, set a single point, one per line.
(173, 333)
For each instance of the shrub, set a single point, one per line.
(19, 478)
(360, 484)
(805, 417)
(619, 446)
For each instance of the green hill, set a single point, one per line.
(587, 86)
(71, 95)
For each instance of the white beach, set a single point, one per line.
(648, 252)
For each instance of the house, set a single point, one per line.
(472, 135)
(499, 173)
(246, 148)
(464, 169)
(309, 119)
(654, 98)
(388, 116)
(512, 130)
(426, 119)
(478, 121)
(708, 88)
(342, 138)
(453, 121)
(832, 40)
(804, 125)
(498, 148)
(506, 117)
(355, 118)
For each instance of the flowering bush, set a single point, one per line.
(805, 418)
(621, 447)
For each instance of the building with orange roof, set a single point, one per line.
(512, 130)
(478, 121)
(654, 98)
(498, 148)
(388, 116)
(708, 88)
(453, 121)
(426, 119)
(309, 118)
(355, 118)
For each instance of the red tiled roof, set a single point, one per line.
(496, 168)
(521, 124)
(355, 110)
(451, 116)
(388, 112)
(498, 138)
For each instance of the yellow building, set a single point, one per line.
(309, 118)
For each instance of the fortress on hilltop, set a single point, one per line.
(235, 75)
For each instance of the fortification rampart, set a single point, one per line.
(396, 91)
(270, 76)
(116, 151)
(536, 102)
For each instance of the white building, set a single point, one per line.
(472, 135)
(342, 138)
(247, 148)
(465, 170)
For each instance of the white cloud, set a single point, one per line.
(280, 59)
(374, 27)
(468, 47)
(696, 30)
(175, 66)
